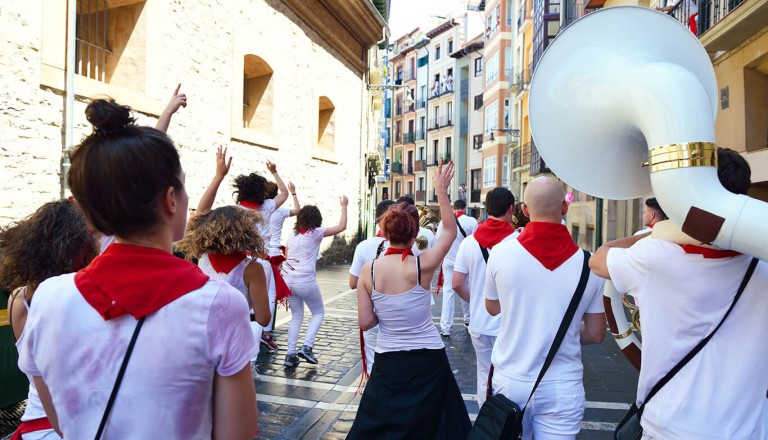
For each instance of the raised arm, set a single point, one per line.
(222, 168)
(282, 190)
(432, 257)
(296, 204)
(177, 100)
(333, 230)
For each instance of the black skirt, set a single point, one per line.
(411, 395)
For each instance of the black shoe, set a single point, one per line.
(306, 353)
(291, 360)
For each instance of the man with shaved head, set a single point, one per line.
(530, 282)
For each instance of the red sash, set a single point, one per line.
(282, 291)
(251, 205)
(31, 426)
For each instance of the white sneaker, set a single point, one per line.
(254, 370)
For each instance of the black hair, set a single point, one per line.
(498, 201)
(407, 199)
(382, 207)
(459, 204)
(309, 217)
(250, 188)
(654, 204)
(733, 171)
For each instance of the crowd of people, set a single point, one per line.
(112, 327)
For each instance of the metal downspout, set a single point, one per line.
(67, 140)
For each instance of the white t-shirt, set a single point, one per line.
(533, 301)
(266, 210)
(276, 230)
(301, 255)
(721, 392)
(469, 224)
(171, 372)
(365, 252)
(470, 261)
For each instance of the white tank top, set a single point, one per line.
(34, 409)
(234, 277)
(405, 319)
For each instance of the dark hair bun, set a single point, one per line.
(108, 117)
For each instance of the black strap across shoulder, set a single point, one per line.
(119, 379)
(380, 248)
(485, 253)
(418, 271)
(700, 345)
(463, 232)
(373, 281)
(561, 331)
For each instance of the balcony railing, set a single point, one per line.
(515, 158)
(710, 12)
(397, 168)
(421, 165)
(434, 123)
(522, 80)
(538, 166)
(398, 138)
(446, 121)
(436, 159)
(409, 75)
(420, 196)
(421, 103)
(444, 88)
(398, 110)
(525, 154)
(420, 135)
(474, 196)
(522, 14)
(410, 107)
(409, 137)
(410, 168)
(464, 89)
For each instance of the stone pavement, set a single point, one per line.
(319, 401)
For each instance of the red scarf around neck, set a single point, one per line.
(708, 252)
(491, 232)
(459, 213)
(549, 243)
(251, 205)
(137, 280)
(394, 251)
(224, 263)
(379, 234)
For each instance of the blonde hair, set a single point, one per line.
(227, 230)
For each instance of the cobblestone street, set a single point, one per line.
(319, 401)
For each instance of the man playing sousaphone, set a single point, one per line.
(686, 289)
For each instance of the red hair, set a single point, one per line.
(400, 223)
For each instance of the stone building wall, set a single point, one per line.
(201, 45)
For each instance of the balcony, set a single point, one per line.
(399, 110)
(410, 108)
(525, 154)
(723, 25)
(433, 124)
(538, 166)
(445, 88)
(398, 138)
(420, 135)
(409, 137)
(446, 121)
(409, 75)
(396, 168)
(421, 103)
(474, 196)
(410, 168)
(421, 165)
(420, 196)
(524, 16)
(522, 81)
(436, 159)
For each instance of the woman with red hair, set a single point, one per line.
(411, 392)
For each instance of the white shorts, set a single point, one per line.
(555, 410)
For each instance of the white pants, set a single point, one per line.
(555, 411)
(370, 337)
(272, 293)
(449, 295)
(483, 347)
(256, 329)
(301, 293)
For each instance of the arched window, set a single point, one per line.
(326, 127)
(258, 94)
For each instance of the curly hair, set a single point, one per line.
(309, 217)
(250, 188)
(54, 240)
(226, 230)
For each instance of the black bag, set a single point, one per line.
(629, 428)
(502, 419)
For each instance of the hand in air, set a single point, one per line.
(177, 100)
(343, 200)
(222, 164)
(291, 187)
(271, 166)
(442, 178)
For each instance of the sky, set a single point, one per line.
(407, 15)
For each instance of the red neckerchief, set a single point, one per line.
(305, 230)
(708, 252)
(404, 252)
(225, 262)
(549, 243)
(251, 205)
(31, 426)
(492, 232)
(379, 234)
(459, 213)
(137, 280)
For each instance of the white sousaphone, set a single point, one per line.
(623, 102)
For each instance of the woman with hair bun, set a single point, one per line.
(411, 392)
(301, 252)
(54, 240)
(180, 341)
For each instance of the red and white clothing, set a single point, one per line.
(721, 392)
(300, 267)
(483, 328)
(534, 285)
(469, 225)
(77, 346)
(276, 221)
(34, 409)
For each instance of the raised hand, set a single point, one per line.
(177, 100)
(222, 164)
(442, 178)
(271, 166)
(291, 187)
(343, 200)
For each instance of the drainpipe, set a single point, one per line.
(67, 140)
(598, 222)
(363, 160)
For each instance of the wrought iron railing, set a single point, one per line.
(538, 166)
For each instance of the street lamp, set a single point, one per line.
(513, 131)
